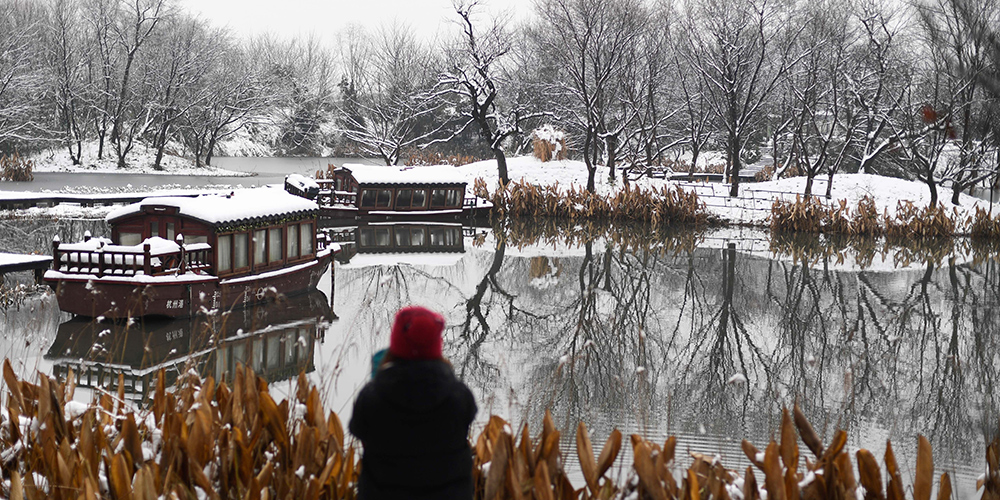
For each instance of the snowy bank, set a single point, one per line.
(140, 161)
(752, 207)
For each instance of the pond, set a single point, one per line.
(700, 335)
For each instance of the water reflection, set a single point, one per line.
(278, 340)
(708, 335)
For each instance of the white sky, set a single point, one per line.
(288, 18)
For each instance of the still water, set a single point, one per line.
(262, 171)
(700, 335)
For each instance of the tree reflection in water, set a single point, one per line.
(694, 335)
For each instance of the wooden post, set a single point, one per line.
(55, 252)
(181, 267)
(145, 260)
(100, 260)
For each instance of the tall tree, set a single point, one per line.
(742, 50)
(386, 105)
(589, 43)
(475, 81)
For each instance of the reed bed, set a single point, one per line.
(666, 206)
(16, 168)
(207, 440)
(813, 216)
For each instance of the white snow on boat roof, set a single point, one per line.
(220, 208)
(436, 174)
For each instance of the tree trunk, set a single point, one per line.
(829, 185)
(809, 188)
(591, 168)
(934, 194)
(734, 189)
(209, 151)
(695, 151)
(501, 166)
(611, 142)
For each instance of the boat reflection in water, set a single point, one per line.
(276, 339)
(400, 242)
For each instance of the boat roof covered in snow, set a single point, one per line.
(224, 209)
(379, 175)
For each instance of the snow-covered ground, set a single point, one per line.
(140, 161)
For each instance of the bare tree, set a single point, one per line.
(239, 95)
(822, 126)
(475, 80)
(302, 76)
(588, 43)
(961, 58)
(742, 52)
(186, 52)
(66, 44)
(879, 80)
(386, 105)
(22, 74)
(129, 120)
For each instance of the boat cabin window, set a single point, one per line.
(384, 198)
(306, 238)
(195, 238)
(129, 239)
(241, 250)
(417, 237)
(274, 246)
(419, 198)
(445, 236)
(293, 241)
(170, 231)
(154, 229)
(259, 247)
(438, 197)
(454, 198)
(225, 253)
(368, 198)
(403, 198)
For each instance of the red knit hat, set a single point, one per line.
(416, 334)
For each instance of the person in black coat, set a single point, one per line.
(413, 418)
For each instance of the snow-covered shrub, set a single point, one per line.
(549, 143)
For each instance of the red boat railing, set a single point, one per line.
(116, 260)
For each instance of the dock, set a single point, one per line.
(14, 262)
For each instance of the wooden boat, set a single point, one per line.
(277, 339)
(176, 256)
(365, 192)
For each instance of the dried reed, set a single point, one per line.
(669, 205)
(15, 168)
(204, 440)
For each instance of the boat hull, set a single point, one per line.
(182, 296)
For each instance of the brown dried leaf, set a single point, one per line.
(809, 436)
(498, 466)
(586, 454)
(789, 442)
(609, 453)
(750, 490)
(923, 479)
(751, 452)
(541, 483)
(871, 475)
(773, 478)
(646, 470)
(944, 491)
(894, 491)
